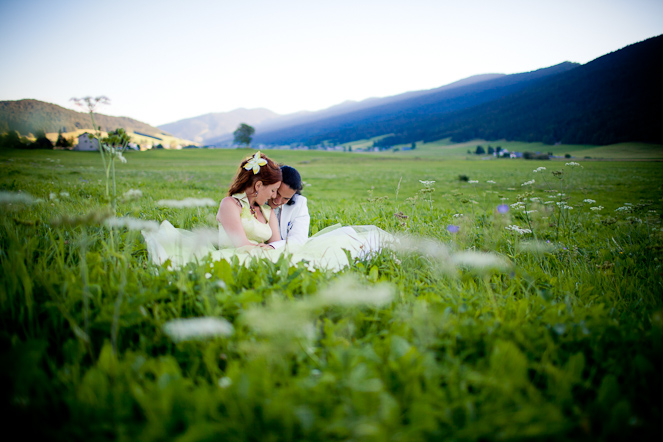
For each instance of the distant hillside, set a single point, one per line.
(209, 126)
(29, 116)
(396, 114)
(612, 99)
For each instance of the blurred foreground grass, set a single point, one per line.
(562, 343)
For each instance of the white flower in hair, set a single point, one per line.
(255, 163)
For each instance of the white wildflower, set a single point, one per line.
(589, 201)
(132, 194)
(208, 275)
(427, 183)
(539, 169)
(528, 183)
(530, 211)
(596, 208)
(16, 198)
(480, 261)
(197, 328)
(623, 209)
(518, 205)
(473, 181)
(457, 215)
(549, 202)
(573, 164)
(535, 199)
(52, 196)
(349, 292)
(490, 182)
(64, 194)
(518, 229)
(132, 223)
(187, 203)
(225, 382)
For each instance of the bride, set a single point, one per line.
(247, 227)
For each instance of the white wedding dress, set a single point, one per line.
(329, 249)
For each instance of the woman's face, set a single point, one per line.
(265, 192)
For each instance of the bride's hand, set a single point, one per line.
(266, 246)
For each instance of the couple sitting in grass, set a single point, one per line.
(265, 216)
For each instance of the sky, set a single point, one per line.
(163, 61)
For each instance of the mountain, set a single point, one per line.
(29, 116)
(209, 126)
(397, 113)
(611, 99)
(286, 121)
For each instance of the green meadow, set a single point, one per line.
(522, 302)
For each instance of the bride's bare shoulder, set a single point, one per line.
(230, 201)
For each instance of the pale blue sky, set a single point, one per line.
(161, 61)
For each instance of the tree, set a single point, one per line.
(244, 134)
(491, 151)
(480, 150)
(414, 145)
(62, 141)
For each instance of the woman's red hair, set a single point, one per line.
(270, 173)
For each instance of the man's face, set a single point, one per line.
(283, 195)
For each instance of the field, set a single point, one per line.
(526, 305)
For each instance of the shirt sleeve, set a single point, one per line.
(298, 231)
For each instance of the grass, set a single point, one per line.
(562, 343)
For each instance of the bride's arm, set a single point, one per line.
(274, 225)
(228, 216)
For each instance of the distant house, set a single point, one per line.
(86, 144)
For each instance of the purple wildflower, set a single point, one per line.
(453, 229)
(503, 208)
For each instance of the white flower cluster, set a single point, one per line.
(518, 206)
(625, 208)
(596, 208)
(539, 169)
(197, 328)
(528, 183)
(15, 197)
(473, 181)
(490, 182)
(457, 215)
(517, 229)
(564, 205)
(132, 194)
(573, 164)
(187, 203)
(589, 201)
(132, 223)
(427, 183)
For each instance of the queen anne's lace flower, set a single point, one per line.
(517, 229)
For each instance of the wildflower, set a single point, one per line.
(187, 203)
(623, 209)
(539, 169)
(225, 382)
(518, 205)
(457, 215)
(596, 208)
(349, 292)
(197, 328)
(517, 229)
(52, 196)
(535, 199)
(573, 164)
(528, 183)
(132, 194)
(208, 275)
(473, 181)
(547, 203)
(16, 198)
(589, 201)
(490, 182)
(536, 247)
(503, 208)
(131, 223)
(453, 229)
(427, 183)
(479, 261)
(530, 211)
(64, 194)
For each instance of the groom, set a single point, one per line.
(291, 209)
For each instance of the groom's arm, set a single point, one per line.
(298, 232)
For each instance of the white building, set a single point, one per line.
(86, 144)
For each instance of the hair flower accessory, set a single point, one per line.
(255, 163)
